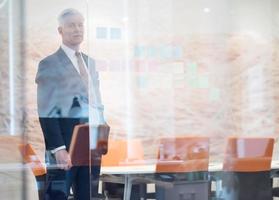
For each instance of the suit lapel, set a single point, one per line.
(89, 63)
(66, 64)
(85, 59)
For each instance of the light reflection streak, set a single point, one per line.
(2, 4)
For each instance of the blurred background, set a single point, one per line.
(167, 68)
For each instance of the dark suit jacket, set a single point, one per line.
(63, 98)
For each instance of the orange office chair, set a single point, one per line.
(183, 161)
(246, 169)
(185, 154)
(117, 153)
(39, 170)
(32, 159)
(248, 154)
(122, 153)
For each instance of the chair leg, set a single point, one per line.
(142, 191)
(127, 188)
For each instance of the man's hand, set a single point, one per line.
(63, 159)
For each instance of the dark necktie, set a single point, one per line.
(82, 68)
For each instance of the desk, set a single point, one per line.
(129, 174)
(138, 172)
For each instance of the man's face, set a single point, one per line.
(72, 30)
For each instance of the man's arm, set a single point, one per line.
(49, 118)
(49, 114)
(52, 132)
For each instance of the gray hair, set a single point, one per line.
(67, 12)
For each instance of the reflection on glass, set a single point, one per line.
(12, 101)
(165, 69)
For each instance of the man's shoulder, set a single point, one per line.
(53, 58)
(47, 66)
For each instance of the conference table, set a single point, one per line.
(128, 172)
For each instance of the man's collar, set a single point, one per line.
(68, 50)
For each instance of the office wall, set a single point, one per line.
(167, 68)
(172, 67)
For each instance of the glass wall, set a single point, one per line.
(12, 72)
(177, 68)
(12, 101)
(177, 78)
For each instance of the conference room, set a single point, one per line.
(138, 100)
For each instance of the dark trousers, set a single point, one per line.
(82, 180)
(59, 183)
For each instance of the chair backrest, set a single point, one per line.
(32, 159)
(248, 154)
(183, 154)
(123, 152)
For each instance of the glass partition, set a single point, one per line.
(184, 86)
(183, 69)
(12, 100)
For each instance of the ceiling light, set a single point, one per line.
(206, 10)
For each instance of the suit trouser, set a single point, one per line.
(59, 182)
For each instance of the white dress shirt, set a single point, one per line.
(71, 55)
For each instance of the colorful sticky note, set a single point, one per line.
(214, 94)
(178, 67)
(177, 52)
(151, 52)
(160, 80)
(142, 82)
(193, 82)
(203, 82)
(166, 52)
(140, 66)
(139, 51)
(192, 69)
